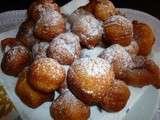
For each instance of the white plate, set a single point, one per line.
(141, 105)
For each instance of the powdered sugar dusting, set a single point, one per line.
(65, 46)
(139, 61)
(49, 67)
(94, 52)
(91, 25)
(77, 14)
(49, 18)
(93, 66)
(39, 50)
(68, 41)
(117, 52)
(16, 51)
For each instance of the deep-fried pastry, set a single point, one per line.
(118, 30)
(46, 75)
(145, 72)
(88, 29)
(38, 8)
(15, 59)
(116, 97)
(50, 24)
(144, 36)
(65, 48)
(27, 94)
(102, 9)
(89, 78)
(137, 77)
(153, 68)
(68, 107)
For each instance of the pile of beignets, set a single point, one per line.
(89, 57)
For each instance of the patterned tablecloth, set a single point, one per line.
(9, 20)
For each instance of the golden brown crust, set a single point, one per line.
(89, 78)
(38, 8)
(68, 107)
(15, 59)
(145, 72)
(27, 94)
(25, 34)
(118, 30)
(46, 75)
(116, 97)
(155, 71)
(65, 48)
(49, 25)
(137, 77)
(102, 9)
(144, 36)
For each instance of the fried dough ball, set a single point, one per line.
(137, 77)
(39, 50)
(102, 9)
(144, 36)
(65, 48)
(27, 94)
(116, 97)
(88, 29)
(89, 78)
(46, 75)
(68, 107)
(15, 59)
(118, 30)
(38, 8)
(146, 72)
(118, 57)
(154, 69)
(49, 25)
(25, 34)
(133, 48)
(7, 44)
